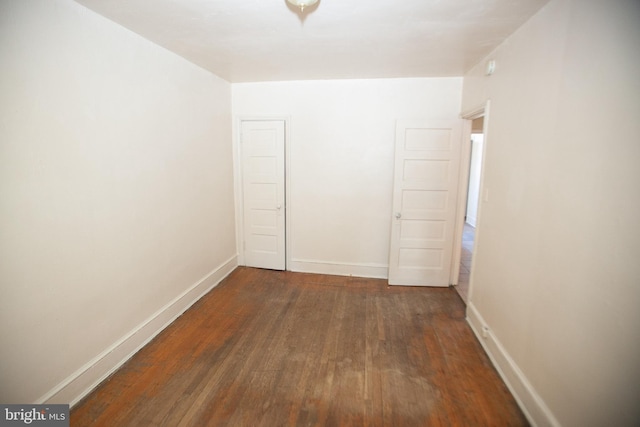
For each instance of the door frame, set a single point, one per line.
(237, 187)
(463, 186)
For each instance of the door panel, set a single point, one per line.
(263, 193)
(424, 202)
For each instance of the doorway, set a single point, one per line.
(469, 206)
(471, 210)
(263, 193)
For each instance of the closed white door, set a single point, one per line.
(427, 158)
(263, 193)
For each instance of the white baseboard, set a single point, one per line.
(534, 408)
(84, 380)
(375, 271)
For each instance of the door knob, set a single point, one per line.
(398, 215)
(278, 207)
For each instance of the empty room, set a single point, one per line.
(216, 212)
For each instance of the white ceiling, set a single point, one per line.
(262, 40)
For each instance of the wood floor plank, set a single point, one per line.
(269, 348)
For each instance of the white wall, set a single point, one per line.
(556, 274)
(341, 164)
(116, 207)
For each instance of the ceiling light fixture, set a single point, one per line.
(302, 3)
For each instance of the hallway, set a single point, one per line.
(468, 237)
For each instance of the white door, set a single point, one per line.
(424, 202)
(263, 193)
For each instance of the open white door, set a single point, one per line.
(263, 193)
(424, 202)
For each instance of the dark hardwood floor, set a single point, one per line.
(269, 348)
